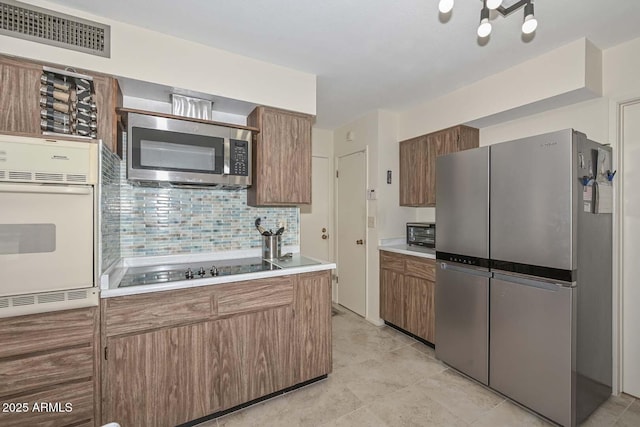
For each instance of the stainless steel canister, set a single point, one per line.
(271, 246)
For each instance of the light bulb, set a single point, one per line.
(530, 22)
(445, 6)
(484, 29)
(493, 4)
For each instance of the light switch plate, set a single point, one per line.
(371, 221)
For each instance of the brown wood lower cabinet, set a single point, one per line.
(407, 293)
(420, 307)
(392, 297)
(312, 326)
(174, 374)
(48, 367)
(150, 375)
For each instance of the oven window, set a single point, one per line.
(27, 238)
(174, 151)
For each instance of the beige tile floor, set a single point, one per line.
(382, 377)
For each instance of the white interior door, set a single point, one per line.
(631, 251)
(351, 232)
(315, 233)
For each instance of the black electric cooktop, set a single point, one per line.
(149, 275)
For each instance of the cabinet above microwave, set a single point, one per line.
(175, 149)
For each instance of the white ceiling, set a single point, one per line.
(369, 54)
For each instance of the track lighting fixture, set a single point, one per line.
(529, 24)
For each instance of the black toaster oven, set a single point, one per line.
(421, 234)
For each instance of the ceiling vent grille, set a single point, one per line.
(45, 26)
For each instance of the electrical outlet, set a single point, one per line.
(371, 221)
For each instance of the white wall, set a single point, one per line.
(571, 72)
(155, 57)
(391, 217)
(620, 70)
(589, 117)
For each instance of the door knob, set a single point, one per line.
(359, 242)
(324, 229)
(325, 237)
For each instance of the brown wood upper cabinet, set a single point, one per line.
(110, 126)
(418, 162)
(20, 101)
(281, 165)
(19, 96)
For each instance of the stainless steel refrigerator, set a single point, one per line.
(523, 279)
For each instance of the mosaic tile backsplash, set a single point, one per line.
(110, 199)
(168, 221)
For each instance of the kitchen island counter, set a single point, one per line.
(294, 264)
(213, 349)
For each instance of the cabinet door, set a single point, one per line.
(414, 157)
(108, 97)
(267, 354)
(252, 351)
(227, 347)
(392, 297)
(20, 96)
(312, 334)
(159, 378)
(445, 141)
(420, 307)
(282, 158)
(440, 143)
(251, 356)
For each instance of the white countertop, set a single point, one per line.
(110, 280)
(400, 246)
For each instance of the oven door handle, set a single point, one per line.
(45, 189)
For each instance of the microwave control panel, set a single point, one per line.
(239, 157)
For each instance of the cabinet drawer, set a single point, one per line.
(241, 297)
(26, 373)
(392, 261)
(68, 404)
(134, 313)
(422, 268)
(35, 332)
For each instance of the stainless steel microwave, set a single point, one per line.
(421, 234)
(187, 152)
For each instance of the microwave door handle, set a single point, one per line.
(227, 157)
(44, 189)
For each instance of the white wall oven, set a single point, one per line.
(47, 225)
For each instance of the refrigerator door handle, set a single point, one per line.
(447, 266)
(528, 282)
